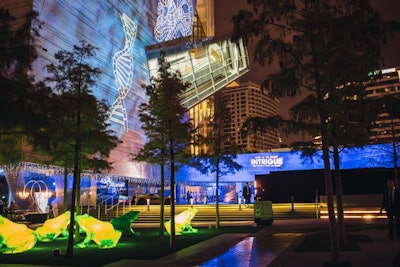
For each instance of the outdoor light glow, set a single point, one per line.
(15, 237)
(358, 214)
(54, 227)
(40, 197)
(183, 222)
(102, 233)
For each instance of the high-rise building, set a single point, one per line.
(246, 100)
(385, 83)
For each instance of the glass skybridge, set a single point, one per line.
(208, 64)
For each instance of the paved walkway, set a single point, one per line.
(379, 253)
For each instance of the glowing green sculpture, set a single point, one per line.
(182, 222)
(54, 227)
(124, 222)
(102, 233)
(15, 237)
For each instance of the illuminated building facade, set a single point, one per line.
(248, 100)
(385, 83)
(129, 36)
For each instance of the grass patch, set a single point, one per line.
(147, 246)
(321, 242)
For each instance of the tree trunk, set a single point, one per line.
(339, 198)
(172, 168)
(161, 233)
(70, 245)
(394, 146)
(65, 197)
(329, 196)
(325, 153)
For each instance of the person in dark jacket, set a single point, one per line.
(246, 194)
(391, 204)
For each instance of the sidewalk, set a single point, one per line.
(378, 253)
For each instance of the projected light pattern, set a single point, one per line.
(122, 63)
(120, 30)
(174, 19)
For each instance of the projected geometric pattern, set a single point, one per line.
(122, 63)
(174, 19)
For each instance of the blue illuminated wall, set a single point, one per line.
(120, 30)
(374, 156)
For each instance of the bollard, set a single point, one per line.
(191, 202)
(292, 200)
(57, 252)
(240, 203)
(148, 204)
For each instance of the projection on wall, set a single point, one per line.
(122, 63)
(174, 19)
(121, 30)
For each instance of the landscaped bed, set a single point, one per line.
(148, 245)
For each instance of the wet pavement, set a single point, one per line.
(253, 251)
(274, 246)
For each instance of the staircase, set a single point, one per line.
(206, 213)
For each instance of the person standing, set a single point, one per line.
(391, 204)
(246, 194)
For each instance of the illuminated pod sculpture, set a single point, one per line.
(122, 63)
(102, 233)
(124, 223)
(174, 19)
(183, 222)
(54, 227)
(15, 237)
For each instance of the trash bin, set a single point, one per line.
(263, 214)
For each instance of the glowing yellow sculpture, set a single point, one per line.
(54, 227)
(182, 222)
(102, 233)
(16, 237)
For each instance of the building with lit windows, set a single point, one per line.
(383, 83)
(246, 100)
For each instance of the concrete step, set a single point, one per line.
(230, 212)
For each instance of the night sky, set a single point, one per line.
(225, 9)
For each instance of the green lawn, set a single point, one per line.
(148, 245)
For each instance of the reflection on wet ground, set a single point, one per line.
(253, 251)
